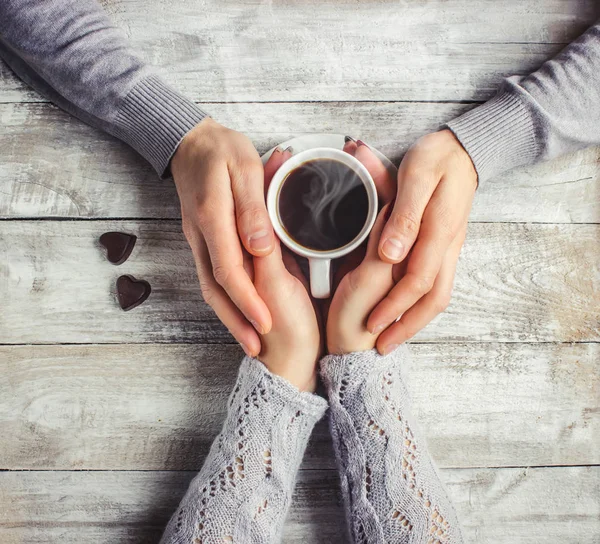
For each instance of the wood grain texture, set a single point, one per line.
(54, 165)
(496, 506)
(515, 283)
(487, 389)
(271, 51)
(134, 507)
(158, 407)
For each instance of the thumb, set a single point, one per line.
(253, 223)
(372, 253)
(402, 228)
(270, 268)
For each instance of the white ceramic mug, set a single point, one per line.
(320, 261)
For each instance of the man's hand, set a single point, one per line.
(220, 182)
(427, 228)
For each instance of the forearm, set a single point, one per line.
(391, 489)
(538, 117)
(69, 51)
(244, 489)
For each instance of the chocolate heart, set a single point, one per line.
(118, 246)
(132, 292)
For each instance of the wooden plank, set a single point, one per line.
(378, 50)
(499, 506)
(134, 507)
(156, 407)
(53, 165)
(515, 283)
(527, 505)
(12, 89)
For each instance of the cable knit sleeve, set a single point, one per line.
(392, 492)
(243, 492)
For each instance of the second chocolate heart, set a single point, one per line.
(118, 246)
(131, 292)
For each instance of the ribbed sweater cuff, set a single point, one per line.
(154, 118)
(498, 135)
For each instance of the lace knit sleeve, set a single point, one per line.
(244, 489)
(392, 492)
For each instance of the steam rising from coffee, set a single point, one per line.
(323, 204)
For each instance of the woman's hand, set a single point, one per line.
(359, 291)
(293, 346)
(425, 231)
(220, 182)
(362, 279)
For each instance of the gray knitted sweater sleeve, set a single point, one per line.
(243, 492)
(392, 492)
(538, 117)
(70, 52)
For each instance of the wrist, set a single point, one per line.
(461, 155)
(190, 148)
(342, 347)
(154, 118)
(292, 382)
(346, 332)
(298, 372)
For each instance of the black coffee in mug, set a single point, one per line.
(323, 204)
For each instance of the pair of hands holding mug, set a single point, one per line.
(302, 325)
(220, 182)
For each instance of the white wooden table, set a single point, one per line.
(105, 416)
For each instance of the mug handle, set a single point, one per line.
(320, 277)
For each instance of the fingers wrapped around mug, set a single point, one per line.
(383, 179)
(219, 179)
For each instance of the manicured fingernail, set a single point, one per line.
(278, 150)
(393, 249)
(378, 328)
(257, 327)
(360, 142)
(388, 349)
(260, 241)
(246, 350)
(349, 139)
(289, 149)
